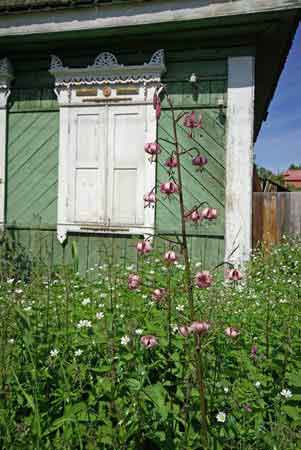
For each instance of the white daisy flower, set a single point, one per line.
(86, 301)
(180, 308)
(286, 393)
(125, 340)
(257, 384)
(221, 417)
(100, 315)
(84, 324)
(53, 353)
(78, 352)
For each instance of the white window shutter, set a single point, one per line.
(87, 169)
(126, 165)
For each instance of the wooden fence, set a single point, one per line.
(275, 214)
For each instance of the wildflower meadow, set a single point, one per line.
(159, 353)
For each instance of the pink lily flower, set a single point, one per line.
(190, 121)
(144, 247)
(184, 330)
(232, 332)
(149, 341)
(234, 275)
(203, 279)
(199, 327)
(133, 281)
(171, 162)
(149, 199)
(199, 161)
(170, 257)
(209, 213)
(158, 294)
(169, 188)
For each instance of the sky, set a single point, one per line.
(279, 142)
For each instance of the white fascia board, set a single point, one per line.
(156, 12)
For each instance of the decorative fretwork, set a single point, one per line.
(107, 70)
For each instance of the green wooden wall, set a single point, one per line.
(32, 154)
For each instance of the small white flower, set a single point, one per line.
(101, 305)
(257, 384)
(18, 291)
(221, 417)
(84, 324)
(138, 331)
(54, 353)
(180, 308)
(86, 301)
(11, 341)
(102, 295)
(174, 328)
(226, 390)
(286, 393)
(78, 352)
(125, 340)
(10, 280)
(121, 316)
(100, 315)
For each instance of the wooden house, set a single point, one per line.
(76, 84)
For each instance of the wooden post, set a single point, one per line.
(239, 159)
(5, 78)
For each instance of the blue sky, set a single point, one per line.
(279, 142)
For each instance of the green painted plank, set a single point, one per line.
(32, 168)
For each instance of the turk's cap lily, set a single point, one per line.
(232, 332)
(158, 294)
(234, 275)
(199, 327)
(199, 161)
(209, 213)
(169, 188)
(152, 148)
(149, 341)
(134, 281)
(191, 121)
(143, 247)
(203, 279)
(170, 257)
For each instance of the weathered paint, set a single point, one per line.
(116, 16)
(239, 158)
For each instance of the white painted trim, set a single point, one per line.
(6, 75)
(69, 101)
(239, 158)
(114, 16)
(107, 70)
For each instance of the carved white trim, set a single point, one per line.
(73, 92)
(107, 70)
(6, 76)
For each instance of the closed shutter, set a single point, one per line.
(88, 148)
(126, 165)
